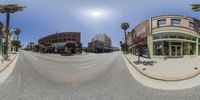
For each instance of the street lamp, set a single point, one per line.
(3, 41)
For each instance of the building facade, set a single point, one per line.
(1, 38)
(58, 42)
(166, 36)
(100, 43)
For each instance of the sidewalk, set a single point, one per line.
(5, 64)
(174, 69)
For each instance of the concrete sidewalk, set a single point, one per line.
(4, 64)
(174, 69)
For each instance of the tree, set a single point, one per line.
(72, 46)
(8, 10)
(17, 32)
(195, 7)
(122, 46)
(125, 26)
(16, 44)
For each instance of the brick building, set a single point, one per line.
(57, 42)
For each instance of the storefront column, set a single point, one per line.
(181, 48)
(150, 46)
(197, 48)
(170, 53)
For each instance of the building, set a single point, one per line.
(1, 38)
(10, 46)
(166, 36)
(115, 48)
(59, 42)
(100, 43)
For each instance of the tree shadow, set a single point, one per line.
(145, 63)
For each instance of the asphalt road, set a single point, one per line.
(82, 77)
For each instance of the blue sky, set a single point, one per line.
(44, 17)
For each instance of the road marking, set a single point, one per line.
(19, 79)
(72, 81)
(89, 66)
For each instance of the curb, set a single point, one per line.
(163, 78)
(6, 66)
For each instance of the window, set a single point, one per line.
(191, 25)
(173, 35)
(198, 29)
(161, 23)
(143, 29)
(175, 22)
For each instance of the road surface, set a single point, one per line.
(83, 77)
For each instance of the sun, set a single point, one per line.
(96, 13)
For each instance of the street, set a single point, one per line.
(82, 77)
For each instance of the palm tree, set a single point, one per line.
(195, 7)
(8, 10)
(17, 32)
(125, 26)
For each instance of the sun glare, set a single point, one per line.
(96, 13)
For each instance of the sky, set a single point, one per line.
(90, 17)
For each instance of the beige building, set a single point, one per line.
(100, 43)
(103, 38)
(166, 36)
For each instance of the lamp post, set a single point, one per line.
(3, 41)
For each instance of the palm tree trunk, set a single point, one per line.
(7, 34)
(17, 37)
(125, 41)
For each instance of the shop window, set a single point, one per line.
(181, 36)
(193, 38)
(188, 37)
(156, 37)
(172, 35)
(158, 48)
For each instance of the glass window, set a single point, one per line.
(181, 36)
(143, 29)
(198, 28)
(173, 36)
(191, 25)
(175, 22)
(156, 37)
(161, 23)
(188, 37)
(165, 36)
(158, 48)
(193, 38)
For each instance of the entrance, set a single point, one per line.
(176, 50)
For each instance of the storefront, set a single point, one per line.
(175, 45)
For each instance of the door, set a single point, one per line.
(175, 50)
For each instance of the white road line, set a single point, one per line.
(19, 79)
(89, 66)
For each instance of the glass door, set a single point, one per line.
(176, 51)
(173, 50)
